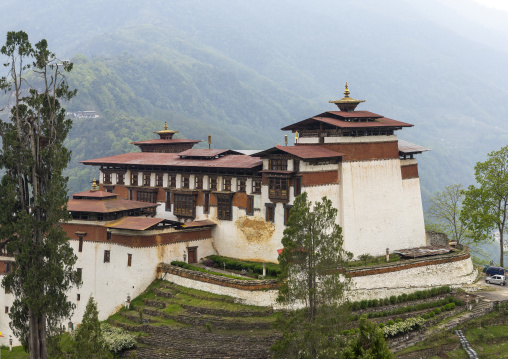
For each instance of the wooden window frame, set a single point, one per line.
(278, 164)
(296, 165)
(184, 205)
(225, 207)
(249, 210)
(80, 244)
(168, 201)
(297, 186)
(226, 184)
(287, 212)
(146, 196)
(198, 182)
(270, 212)
(107, 256)
(278, 188)
(79, 273)
(206, 202)
(147, 179)
(172, 181)
(241, 185)
(185, 183)
(256, 186)
(159, 179)
(106, 178)
(134, 178)
(212, 183)
(129, 260)
(120, 178)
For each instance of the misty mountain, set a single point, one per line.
(242, 70)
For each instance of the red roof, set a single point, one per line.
(408, 147)
(173, 159)
(305, 152)
(159, 141)
(134, 223)
(95, 194)
(196, 152)
(114, 205)
(342, 119)
(205, 222)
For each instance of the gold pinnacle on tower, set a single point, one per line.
(94, 185)
(347, 103)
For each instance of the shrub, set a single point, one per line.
(437, 311)
(355, 305)
(403, 327)
(393, 299)
(411, 297)
(381, 325)
(370, 303)
(363, 304)
(404, 297)
(390, 322)
(375, 302)
(117, 339)
(386, 301)
(398, 320)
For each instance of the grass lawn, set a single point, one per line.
(17, 353)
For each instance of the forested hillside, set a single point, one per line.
(241, 70)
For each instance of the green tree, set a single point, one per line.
(368, 344)
(312, 276)
(33, 191)
(485, 206)
(444, 211)
(88, 340)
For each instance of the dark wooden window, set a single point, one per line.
(185, 205)
(78, 297)
(131, 194)
(213, 183)
(256, 186)
(250, 205)
(168, 201)
(129, 259)
(108, 235)
(107, 256)
(150, 197)
(278, 165)
(134, 178)
(80, 244)
(296, 165)
(278, 189)
(241, 185)
(270, 212)
(287, 212)
(226, 184)
(172, 181)
(8, 267)
(192, 254)
(198, 182)
(6, 310)
(120, 178)
(206, 203)
(224, 207)
(159, 179)
(79, 272)
(185, 181)
(298, 186)
(146, 179)
(106, 178)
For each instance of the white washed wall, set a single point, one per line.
(6, 301)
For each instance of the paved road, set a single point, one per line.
(495, 292)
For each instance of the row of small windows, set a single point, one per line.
(185, 181)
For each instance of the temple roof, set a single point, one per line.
(173, 159)
(159, 141)
(134, 223)
(93, 194)
(304, 152)
(114, 205)
(406, 147)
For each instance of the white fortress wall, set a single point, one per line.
(110, 283)
(6, 300)
(374, 208)
(414, 213)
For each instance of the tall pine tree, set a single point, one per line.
(33, 190)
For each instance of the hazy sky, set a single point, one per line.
(498, 4)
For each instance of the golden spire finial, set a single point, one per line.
(165, 125)
(346, 91)
(94, 185)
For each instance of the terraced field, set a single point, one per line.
(170, 321)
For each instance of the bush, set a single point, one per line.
(363, 304)
(375, 302)
(390, 322)
(386, 301)
(381, 325)
(398, 320)
(437, 311)
(393, 299)
(117, 339)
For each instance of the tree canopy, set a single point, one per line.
(312, 278)
(33, 190)
(485, 205)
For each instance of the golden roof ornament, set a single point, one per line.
(166, 133)
(94, 186)
(347, 103)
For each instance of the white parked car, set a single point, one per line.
(496, 279)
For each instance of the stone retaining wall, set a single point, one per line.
(370, 282)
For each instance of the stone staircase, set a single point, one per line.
(478, 309)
